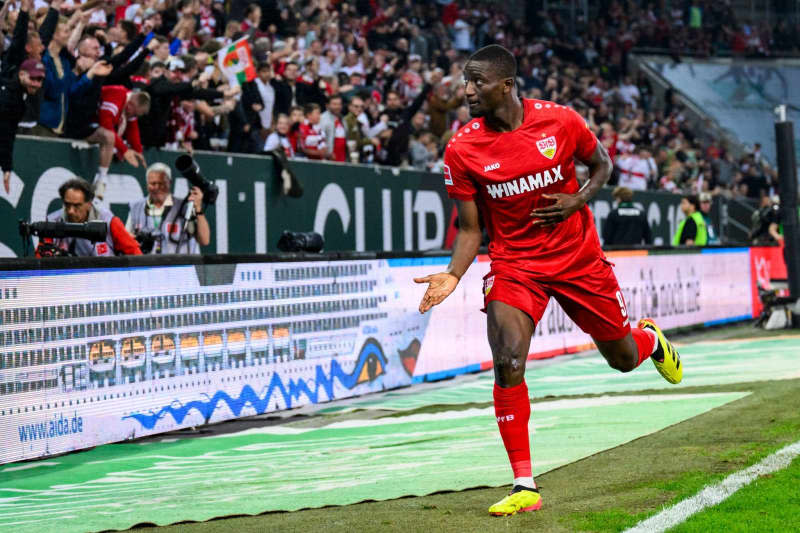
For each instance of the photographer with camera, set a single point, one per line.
(765, 228)
(160, 224)
(77, 195)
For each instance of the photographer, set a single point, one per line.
(76, 195)
(766, 220)
(160, 224)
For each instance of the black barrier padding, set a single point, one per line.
(787, 186)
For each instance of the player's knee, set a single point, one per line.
(506, 343)
(106, 137)
(621, 364)
(622, 361)
(509, 352)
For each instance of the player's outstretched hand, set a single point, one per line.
(565, 205)
(440, 285)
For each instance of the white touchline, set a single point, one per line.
(715, 494)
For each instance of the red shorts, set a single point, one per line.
(592, 300)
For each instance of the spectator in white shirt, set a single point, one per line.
(629, 92)
(637, 170)
(258, 100)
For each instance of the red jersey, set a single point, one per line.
(311, 136)
(506, 173)
(339, 141)
(112, 117)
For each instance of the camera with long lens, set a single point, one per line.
(760, 222)
(96, 231)
(191, 171)
(92, 231)
(147, 239)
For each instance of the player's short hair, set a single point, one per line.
(78, 184)
(142, 100)
(500, 59)
(692, 199)
(623, 194)
(310, 107)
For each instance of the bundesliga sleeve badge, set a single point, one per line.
(448, 177)
(547, 147)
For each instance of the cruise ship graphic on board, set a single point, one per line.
(145, 350)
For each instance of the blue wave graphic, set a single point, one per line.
(290, 393)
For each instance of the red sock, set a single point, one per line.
(645, 342)
(513, 410)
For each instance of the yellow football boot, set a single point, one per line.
(521, 500)
(666, 358)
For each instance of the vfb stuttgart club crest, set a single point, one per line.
(547, 147)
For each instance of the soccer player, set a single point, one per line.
(512, 168)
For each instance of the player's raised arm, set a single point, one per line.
(465, 248)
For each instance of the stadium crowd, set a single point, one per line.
(370, 81)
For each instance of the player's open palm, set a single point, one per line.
(440, 285)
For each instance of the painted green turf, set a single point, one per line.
(770, 503)
(282, 468)
(711, 363)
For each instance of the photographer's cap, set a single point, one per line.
(33, 67)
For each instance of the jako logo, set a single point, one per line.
(525, 183)
(493, 166)
(507, 418)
